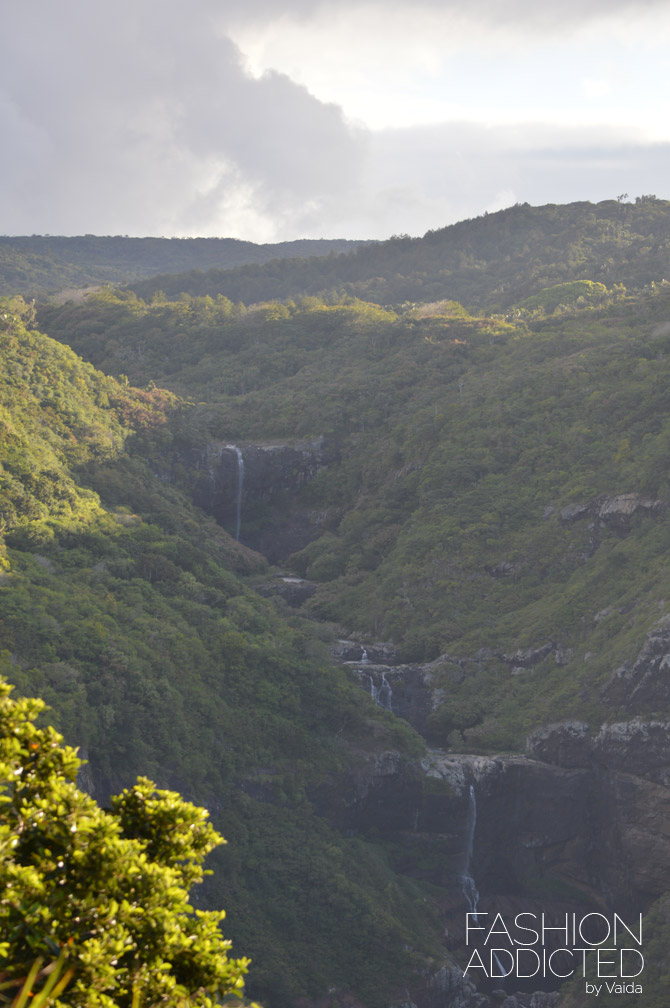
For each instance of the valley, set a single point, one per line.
(381, 581)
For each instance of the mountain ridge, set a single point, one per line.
(43, 265)
(487, 262)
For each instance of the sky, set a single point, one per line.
(272, 121)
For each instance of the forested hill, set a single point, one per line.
(41, 264)
(491, 261)
(470, 507)
(123, 606)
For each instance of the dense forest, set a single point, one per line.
(44, 264)
(491, 262)
(455, 450)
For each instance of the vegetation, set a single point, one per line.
(492, 261)
(124, 608)
(44, 264)
(468, 514)
(108, 891)
(461, 439)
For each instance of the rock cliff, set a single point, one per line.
(252, 489)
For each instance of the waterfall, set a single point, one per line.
(382, 694)
(364, 657)
(240, 485)
(385, 694)
(468, 887)
(467, 882)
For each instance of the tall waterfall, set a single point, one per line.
(467, 882)
(468, 887)
(240, 485)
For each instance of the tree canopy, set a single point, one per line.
(108, 889)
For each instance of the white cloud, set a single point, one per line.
(596, 87)
(143, 118)
(148, 122)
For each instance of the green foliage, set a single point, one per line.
(109, 888)
(575, 293)
(460, 439)
(156, 657)
(492, 261)
(39, 265)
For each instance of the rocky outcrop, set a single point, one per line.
(566, 744)
(449, 988)
(527, 657)
(378, 653)
(580, 823)
(411, 691)
(625, 768)
(255, 487)
(295, 591)
(615, 510)
(644, 685)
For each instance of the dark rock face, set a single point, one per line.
(616, 510)
(563, 745)
(448, 988)
(265, 489)
(646, 684)
(580, 824)
(409, 690)
(625, 768)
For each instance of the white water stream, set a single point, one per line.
(240, 486)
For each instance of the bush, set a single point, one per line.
(106, 889)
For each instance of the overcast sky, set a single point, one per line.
(324, 118)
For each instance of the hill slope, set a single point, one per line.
(42, 264)
(480, 504)
(123, 607)
(495, 260)
(460, 443)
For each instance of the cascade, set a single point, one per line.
(467, 882)
(240, 485)
(468, 886)
(364, 657)
(385, 699)
(382, 694)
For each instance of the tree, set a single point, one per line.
(106, 891)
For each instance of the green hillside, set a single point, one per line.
(36, 265)
(124, 609)
(495, 260)
(486, 508)
(461, 440)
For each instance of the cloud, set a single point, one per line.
(421, 178)
(525, 14)
(142, 118)
(148, 121)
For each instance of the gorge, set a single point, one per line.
(383, 586)
(577, 826)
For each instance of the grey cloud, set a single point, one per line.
(141, 117)
(426, 177)
(526, 15)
